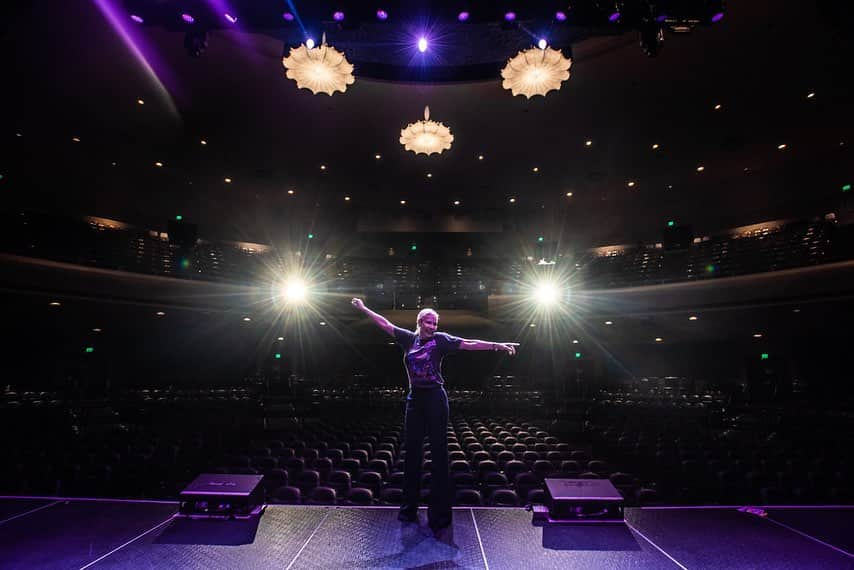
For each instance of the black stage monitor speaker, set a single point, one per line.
(223, 496)
(584, 501)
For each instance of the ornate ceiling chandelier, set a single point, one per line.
(426, 137)
(321, 69)
(535, 71)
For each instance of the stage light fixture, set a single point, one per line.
(560, 16)
(294, 290)
(382, 15)
(309, 43)
(288, 17)
(231, 19)
(137, 19)
(188, 18)
(542, 43)
(338, 16)
(422, 44)
(546, 294)
(463, 16)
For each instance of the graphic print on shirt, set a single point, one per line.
(420, 364)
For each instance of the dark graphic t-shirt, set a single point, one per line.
(423, 360)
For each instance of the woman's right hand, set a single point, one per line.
(358, 303)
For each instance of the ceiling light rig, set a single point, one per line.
(320, 69)
(426, 137)
(535, 71)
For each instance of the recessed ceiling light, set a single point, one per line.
(480, 157)
(535, 169)
(718, 107)
(810, 95)
(630, 183)
(532, 325)
(609, 322)
(96, 330)
(655, 146)
(588, 143)
(75, 139)
(291, 192)
(346, 198)
(403, 202)
(781, 146)
(323, 323)
(281, 338)
(160, 313)
(701, 168)
(659, 339)
(378, 156)
(569, 194)
(575, 341)
(670, 186)
(158, 164)
(227, 180)
(456, 202)
(429, 175)
(55, 304)
(140, 102)
(247, 319)
(322, 167)
(757, 335)
(796, 310)
(512, 200)
(204, 142)
(692, 318)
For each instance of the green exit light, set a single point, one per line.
(310, 236)
(90, 349)
(179, 217)
(577, 355)
(763, 356)
(540, 239)
(185, 263)
(846, 188)
(278, 355)
(670, 223)
(413, 247)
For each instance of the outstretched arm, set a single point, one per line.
(378, 319)
(473, 344)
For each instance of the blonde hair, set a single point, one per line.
(421, 314)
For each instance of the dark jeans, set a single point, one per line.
(427, 414)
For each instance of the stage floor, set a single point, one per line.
(92, 533)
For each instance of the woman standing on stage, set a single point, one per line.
(427, 407)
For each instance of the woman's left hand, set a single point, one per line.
(508, 347)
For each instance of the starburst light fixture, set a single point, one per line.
(426, 137)
(535, 71)
(321, 69)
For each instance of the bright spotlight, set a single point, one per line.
(294, 290)
(546, 294)
(422, 44)
(309, 43)
(542, 44)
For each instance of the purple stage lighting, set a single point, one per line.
(510, 16)
(614, 17)
(718, 17)
(661, 18)
(560, 16)
(422, 44)
(382, 15)
(338, 16)
(288, 17)
(136, 18)
(231, 19)
(463, 16)
(187, 18)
